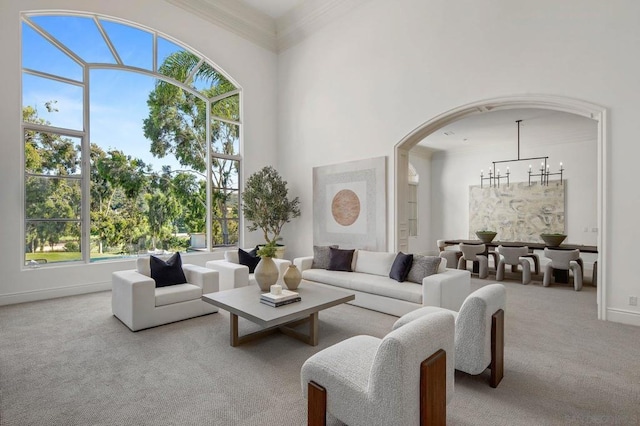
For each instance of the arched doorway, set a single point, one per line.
(556, 103)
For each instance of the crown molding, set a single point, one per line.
(235, 16)
(308, 17)
(258, 27)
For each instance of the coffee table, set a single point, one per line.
(245, 302)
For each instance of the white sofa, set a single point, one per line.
(373, 288)
(137, 302)
(234, 275)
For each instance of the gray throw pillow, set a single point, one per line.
(423, 266)
(321, 256)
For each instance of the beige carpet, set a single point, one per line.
(70, 362)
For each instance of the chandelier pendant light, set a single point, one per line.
(494, 177)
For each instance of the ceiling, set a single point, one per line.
(273, 8)
(539, 126)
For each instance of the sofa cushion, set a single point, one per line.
(340, 260)
(423, 266)
(249, 259)
(177, 293)
(366, 283)
(321, 256)
(167, 273)
(401, 266)
(375, 262)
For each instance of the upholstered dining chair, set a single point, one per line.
(405, 378)
(474, 253)
(567, 260)
(514, 256)
(451, 254)
(479, 329)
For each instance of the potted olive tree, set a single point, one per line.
(266, 205)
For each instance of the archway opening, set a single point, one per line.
(544, 102)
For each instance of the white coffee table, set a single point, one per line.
(245, 302)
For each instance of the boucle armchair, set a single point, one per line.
(137, 302)
(479, 335)
(474, 253)
(397, 380)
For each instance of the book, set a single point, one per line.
(282, 303)
(286, 295)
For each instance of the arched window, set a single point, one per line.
(131, 142)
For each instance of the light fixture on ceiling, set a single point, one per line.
(495, 177)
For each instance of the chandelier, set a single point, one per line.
(495, 177)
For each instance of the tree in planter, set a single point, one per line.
(266, 204)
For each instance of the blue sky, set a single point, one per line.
(118, 98)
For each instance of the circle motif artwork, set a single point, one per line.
(345, 207)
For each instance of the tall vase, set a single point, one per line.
(266, 273)
(292, 277)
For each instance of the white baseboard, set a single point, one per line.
(623, 316)
(32, 296)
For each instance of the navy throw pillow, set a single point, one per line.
(249, 259)
(167, 273)
(401, 266)
(340, 260)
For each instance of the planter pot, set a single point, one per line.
(266, 273)
(486, 237)
(292, 277)
(553, 240)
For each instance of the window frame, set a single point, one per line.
(85, 137)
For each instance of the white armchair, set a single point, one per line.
(235, 275)
(406, 378)
(479, 331)
(137, 302)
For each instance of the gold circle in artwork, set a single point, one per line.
(345, 207)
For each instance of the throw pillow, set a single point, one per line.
(401, 266)
(321, 256)
(249, 259)
(167, 273)
(340, 260)
(423, 266)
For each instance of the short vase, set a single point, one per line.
(292, 277)
(266, 273)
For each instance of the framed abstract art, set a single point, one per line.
(350, 204)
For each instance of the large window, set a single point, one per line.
(131, 142)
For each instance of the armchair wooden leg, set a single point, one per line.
(497, 348)
(316, 405)
(433, 390)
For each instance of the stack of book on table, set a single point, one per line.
(276, 300)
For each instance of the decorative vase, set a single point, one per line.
(292, 277)
(266, 273)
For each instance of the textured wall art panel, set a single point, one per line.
(349, 204)
(517, 212)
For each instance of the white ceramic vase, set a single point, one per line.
(266, 273)
(292, 277)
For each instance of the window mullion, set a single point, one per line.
(85, 216)
(209, 228)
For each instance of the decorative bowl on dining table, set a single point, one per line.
(553, 240)
(486, 236)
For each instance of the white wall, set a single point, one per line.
(252, 67)
(355, 88)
